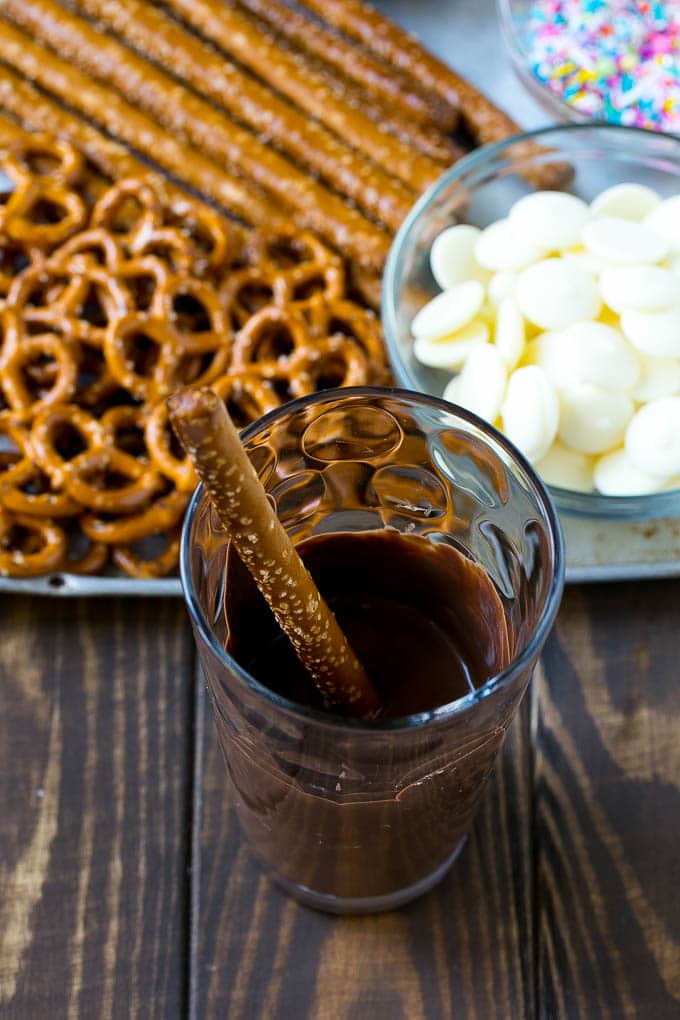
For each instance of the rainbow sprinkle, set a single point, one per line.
(613, 60)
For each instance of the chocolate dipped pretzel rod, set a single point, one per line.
(393, 44)
(138, 130)
(369, 73)
(197, 121)
(236, 34)
(163, 40)
(208, 435)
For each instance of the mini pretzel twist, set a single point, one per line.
(159, 565)
(43, 212)
(96, 246)
(131, 210)
(298, 265)
(334, 361)
(250, 289)
(268, 340)
(29, 546)
(88, 480)
(46, 157)
(55, 350)
(27, 490)
(62, 422)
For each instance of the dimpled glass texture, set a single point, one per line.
(362, 816)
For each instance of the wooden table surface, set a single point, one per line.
(126, 890)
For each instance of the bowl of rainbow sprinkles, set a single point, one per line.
(609, 60)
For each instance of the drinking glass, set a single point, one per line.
(352, 816)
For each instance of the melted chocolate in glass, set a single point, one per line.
(425, 621)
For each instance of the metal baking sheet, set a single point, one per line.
(468, 33)
(597, 550)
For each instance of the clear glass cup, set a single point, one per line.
(363, 816)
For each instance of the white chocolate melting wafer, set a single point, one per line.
(448, 311)
(452, 257)
(552, 220)
(555, 293)
(623, 242)
(627, 201)
(530, 412)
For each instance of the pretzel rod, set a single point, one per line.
(40, 112)
(162, 39)
(424, 138)
(113, 160)
(208, 435)
(116, 162)
(393, 44)
(121, 119)
(197, 121)
(9, 131)
(284, 71)
(371, 75)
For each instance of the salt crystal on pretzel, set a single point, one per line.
(212, 442)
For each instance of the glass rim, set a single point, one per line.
(442, 713)
(570, 500)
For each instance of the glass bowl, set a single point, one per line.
(584, 159)
(524, 46)
(513, 17)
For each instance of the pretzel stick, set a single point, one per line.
(192, 118)
(212, 443)
(160, 38)
(141, 132)
(393, 44)
(10, 132)
(112, 160)
(423, 138)
(372, 75)
(40, 112)
(482, 118)
(284, 71)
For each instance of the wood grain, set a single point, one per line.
(607, 789)
(95, 747)
(465, 950)
(564, 903)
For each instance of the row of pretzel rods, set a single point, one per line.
(21, 100)
(330, 167)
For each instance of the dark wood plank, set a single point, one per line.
(95, 751)
(464, 950)
(608, 806)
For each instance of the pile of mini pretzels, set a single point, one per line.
(113, 295)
